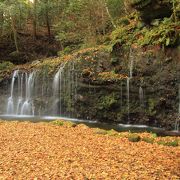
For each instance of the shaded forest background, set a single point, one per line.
(32, 29)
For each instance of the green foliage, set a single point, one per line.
(67, 50)
(6, 65)
(164, 33)
(124, 21)
(124, 34)
(107, 102)
(5, 69)
(151, 106)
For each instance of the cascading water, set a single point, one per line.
(40, 94)
(131, 63)
(20, 99)
(121, 95)
(65, 90)
(57, 90)
(177, 122)
(10, 104)
(128, 82)
(28, 106)
(17, 105)
(141, 97)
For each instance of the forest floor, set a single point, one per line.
(47, 151)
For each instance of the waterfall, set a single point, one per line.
(131, 63)
(10, 104)
(20, 90)
(57, 90)
(121, 95)
(28, 106)
(177, 122)
(65, 84)
(16, 104)
(29, 94)
(128, 96)
(141, 97)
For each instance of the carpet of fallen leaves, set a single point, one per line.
(46, 151)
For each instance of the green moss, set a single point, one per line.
(6, 65)
(112, 132)
(134, 137)
(100, 131)
(154, 135)
(173, 143)
(148, 140)
(58, 123)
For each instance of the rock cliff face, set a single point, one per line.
(160, 9)
(136, 86)
(149, 97)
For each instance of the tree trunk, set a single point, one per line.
(1, 23)
(14, 34)
(34, 20)
(110, 17)
(47, 20)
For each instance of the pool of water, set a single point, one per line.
(94, 124)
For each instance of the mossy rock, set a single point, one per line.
(112, 132)
(173, 143)
(67, 124)
(58, 123)
(148, 140)
(134, 137)
(82, 126)
(157, 9)
(18, 57)
(100, 131)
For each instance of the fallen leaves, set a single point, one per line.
(111, 76)
(50, 151)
